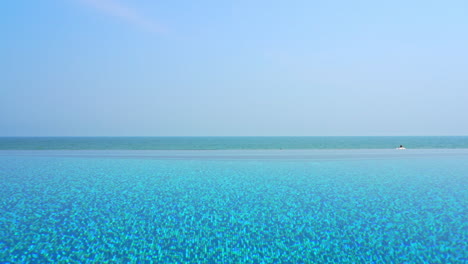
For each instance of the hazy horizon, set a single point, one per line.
(188, 136)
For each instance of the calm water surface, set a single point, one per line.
(290, 206)
(219, 143)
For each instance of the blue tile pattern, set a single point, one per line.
(141, 210)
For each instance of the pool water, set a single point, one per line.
(242, 207)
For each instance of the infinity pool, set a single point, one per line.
(291, 206)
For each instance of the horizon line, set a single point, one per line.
(166, 136)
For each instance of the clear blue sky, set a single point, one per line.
(172, 68)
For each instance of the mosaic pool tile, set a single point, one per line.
(140, 210)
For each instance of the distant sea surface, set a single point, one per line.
(227, 143)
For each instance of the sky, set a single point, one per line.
(233, 68)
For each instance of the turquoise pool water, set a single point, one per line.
(320, 206)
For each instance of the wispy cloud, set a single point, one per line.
(126, 13)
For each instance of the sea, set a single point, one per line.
(233, 200)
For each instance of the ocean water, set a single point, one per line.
(234, 206)
(220, 143)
